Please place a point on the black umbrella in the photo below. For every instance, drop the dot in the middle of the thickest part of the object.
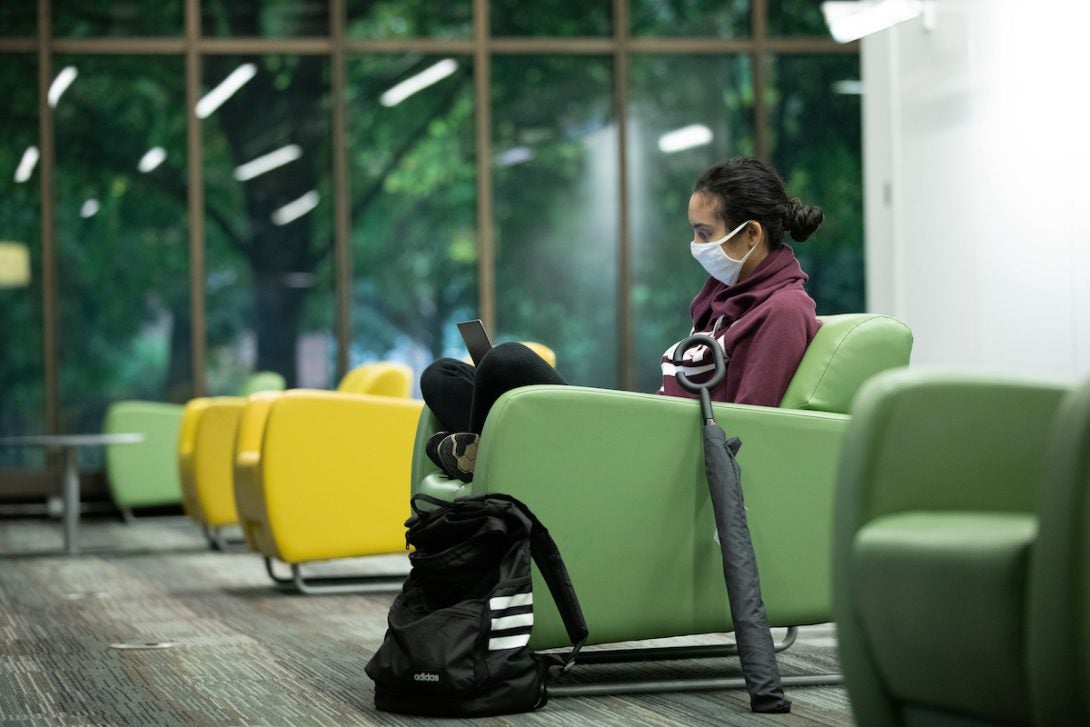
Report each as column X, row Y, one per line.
column 747, row 609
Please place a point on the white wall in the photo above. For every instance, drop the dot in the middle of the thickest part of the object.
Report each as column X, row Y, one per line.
column 977, row 176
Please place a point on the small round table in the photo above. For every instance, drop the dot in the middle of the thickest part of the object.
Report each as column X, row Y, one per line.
column 69, row 445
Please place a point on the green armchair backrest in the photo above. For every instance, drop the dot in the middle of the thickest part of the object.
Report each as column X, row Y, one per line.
column 144, row 474
column 263, row 381
column 847, row 350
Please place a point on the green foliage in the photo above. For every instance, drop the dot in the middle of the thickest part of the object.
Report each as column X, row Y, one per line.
column 716, row 18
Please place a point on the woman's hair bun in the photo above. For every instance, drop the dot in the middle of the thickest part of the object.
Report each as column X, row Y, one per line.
column 802, row 219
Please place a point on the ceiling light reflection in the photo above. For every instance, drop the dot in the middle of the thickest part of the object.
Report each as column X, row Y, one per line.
column 850, row 20
column 295, row 209
column 685, row 138
column 26, row 165
column 268, row 162
column 514, row 155
column 152, row 159
column 90, row 208
column 412, row 84
column 60, row 84
column 227, row 88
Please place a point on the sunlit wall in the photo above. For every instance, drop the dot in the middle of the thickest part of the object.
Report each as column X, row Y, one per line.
column 976, row 164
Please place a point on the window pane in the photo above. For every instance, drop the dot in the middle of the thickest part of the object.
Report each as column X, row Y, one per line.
column 21, row 372
column 414, row 205
column 410, row 19
column 817, row 150
column 122, row 293
column 94, row 18
column 551, row 17
column 555, row 183
column 265, row 18
column 707, row 18
column 706, row 128
column 18, row 19
column 269, row 216
column 796, row 17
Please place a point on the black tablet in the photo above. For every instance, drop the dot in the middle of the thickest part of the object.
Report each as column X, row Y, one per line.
column 476, row 339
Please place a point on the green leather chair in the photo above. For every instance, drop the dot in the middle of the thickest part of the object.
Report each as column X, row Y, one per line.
column 146, row 474
column 143, row 474
column 962, row 552
column 618, row 478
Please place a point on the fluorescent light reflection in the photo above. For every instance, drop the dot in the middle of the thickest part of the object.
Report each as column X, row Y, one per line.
column 514, row 155
column 295, row 209
column 60, row 84
column 412, row 84
column 848, row 87
column 152, row 159
column 685, row 138
column 225, row 90
column 26, row 165
column 267, row 162
column 90, row 208
column 851, row 20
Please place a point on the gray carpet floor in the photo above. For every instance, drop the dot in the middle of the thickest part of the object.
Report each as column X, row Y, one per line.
column 247, row 654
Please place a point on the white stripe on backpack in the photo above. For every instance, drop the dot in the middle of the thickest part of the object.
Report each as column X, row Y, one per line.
column 508, row 642
column 510, row 622
column 519, row 599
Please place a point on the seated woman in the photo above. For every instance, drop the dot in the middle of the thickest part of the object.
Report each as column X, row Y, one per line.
column 754, row 304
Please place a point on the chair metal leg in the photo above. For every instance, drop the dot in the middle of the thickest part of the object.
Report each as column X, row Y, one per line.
column 127, row 516
column 326, row 585
column 653, row 686
column 217, row 540
column 663, row 653
column 696, row 684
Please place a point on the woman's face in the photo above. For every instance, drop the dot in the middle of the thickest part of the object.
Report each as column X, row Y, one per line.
column 708, row 226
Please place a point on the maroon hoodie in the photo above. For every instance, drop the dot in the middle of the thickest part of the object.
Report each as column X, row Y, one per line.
column 765, row 324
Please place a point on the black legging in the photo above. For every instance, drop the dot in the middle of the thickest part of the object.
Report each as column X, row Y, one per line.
column 460, row 395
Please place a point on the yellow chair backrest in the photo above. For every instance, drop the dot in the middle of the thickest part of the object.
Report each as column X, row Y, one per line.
column 379, row 379
column 542, row 350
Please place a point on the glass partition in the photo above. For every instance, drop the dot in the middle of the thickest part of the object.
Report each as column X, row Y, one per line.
column 21, row 367
column 410, row 19
column 269, row 219
column 817, row 148
column 265, row 18
column 707, row 18
column 551, row 18
column 414, row 204
column 94, row 18
column 555, row 177
column 18, row 19
column 676, row 131
column 122, row 245
column 796, row 18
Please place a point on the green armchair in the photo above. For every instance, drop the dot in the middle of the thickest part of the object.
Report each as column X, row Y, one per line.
column 619, row 480
column 962, row 556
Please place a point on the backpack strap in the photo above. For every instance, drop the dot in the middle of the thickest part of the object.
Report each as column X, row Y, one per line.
column 547, row 556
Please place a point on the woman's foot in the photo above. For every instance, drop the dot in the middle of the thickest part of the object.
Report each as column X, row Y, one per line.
column 458, row 454
column 431, row 448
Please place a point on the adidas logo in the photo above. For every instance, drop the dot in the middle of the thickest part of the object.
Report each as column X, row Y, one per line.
column 425, row 676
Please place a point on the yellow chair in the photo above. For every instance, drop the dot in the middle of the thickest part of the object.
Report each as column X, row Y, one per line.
column 206, row 445
column 325, row 475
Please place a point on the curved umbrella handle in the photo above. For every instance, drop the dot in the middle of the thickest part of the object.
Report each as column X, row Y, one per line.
column 701, row 339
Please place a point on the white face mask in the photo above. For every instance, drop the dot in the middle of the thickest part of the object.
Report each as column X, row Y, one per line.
column 719, row 264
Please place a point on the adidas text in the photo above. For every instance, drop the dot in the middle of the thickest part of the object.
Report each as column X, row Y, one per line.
column 425, row 677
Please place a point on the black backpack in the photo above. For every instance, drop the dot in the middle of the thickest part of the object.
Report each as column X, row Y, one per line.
column 458, row 631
